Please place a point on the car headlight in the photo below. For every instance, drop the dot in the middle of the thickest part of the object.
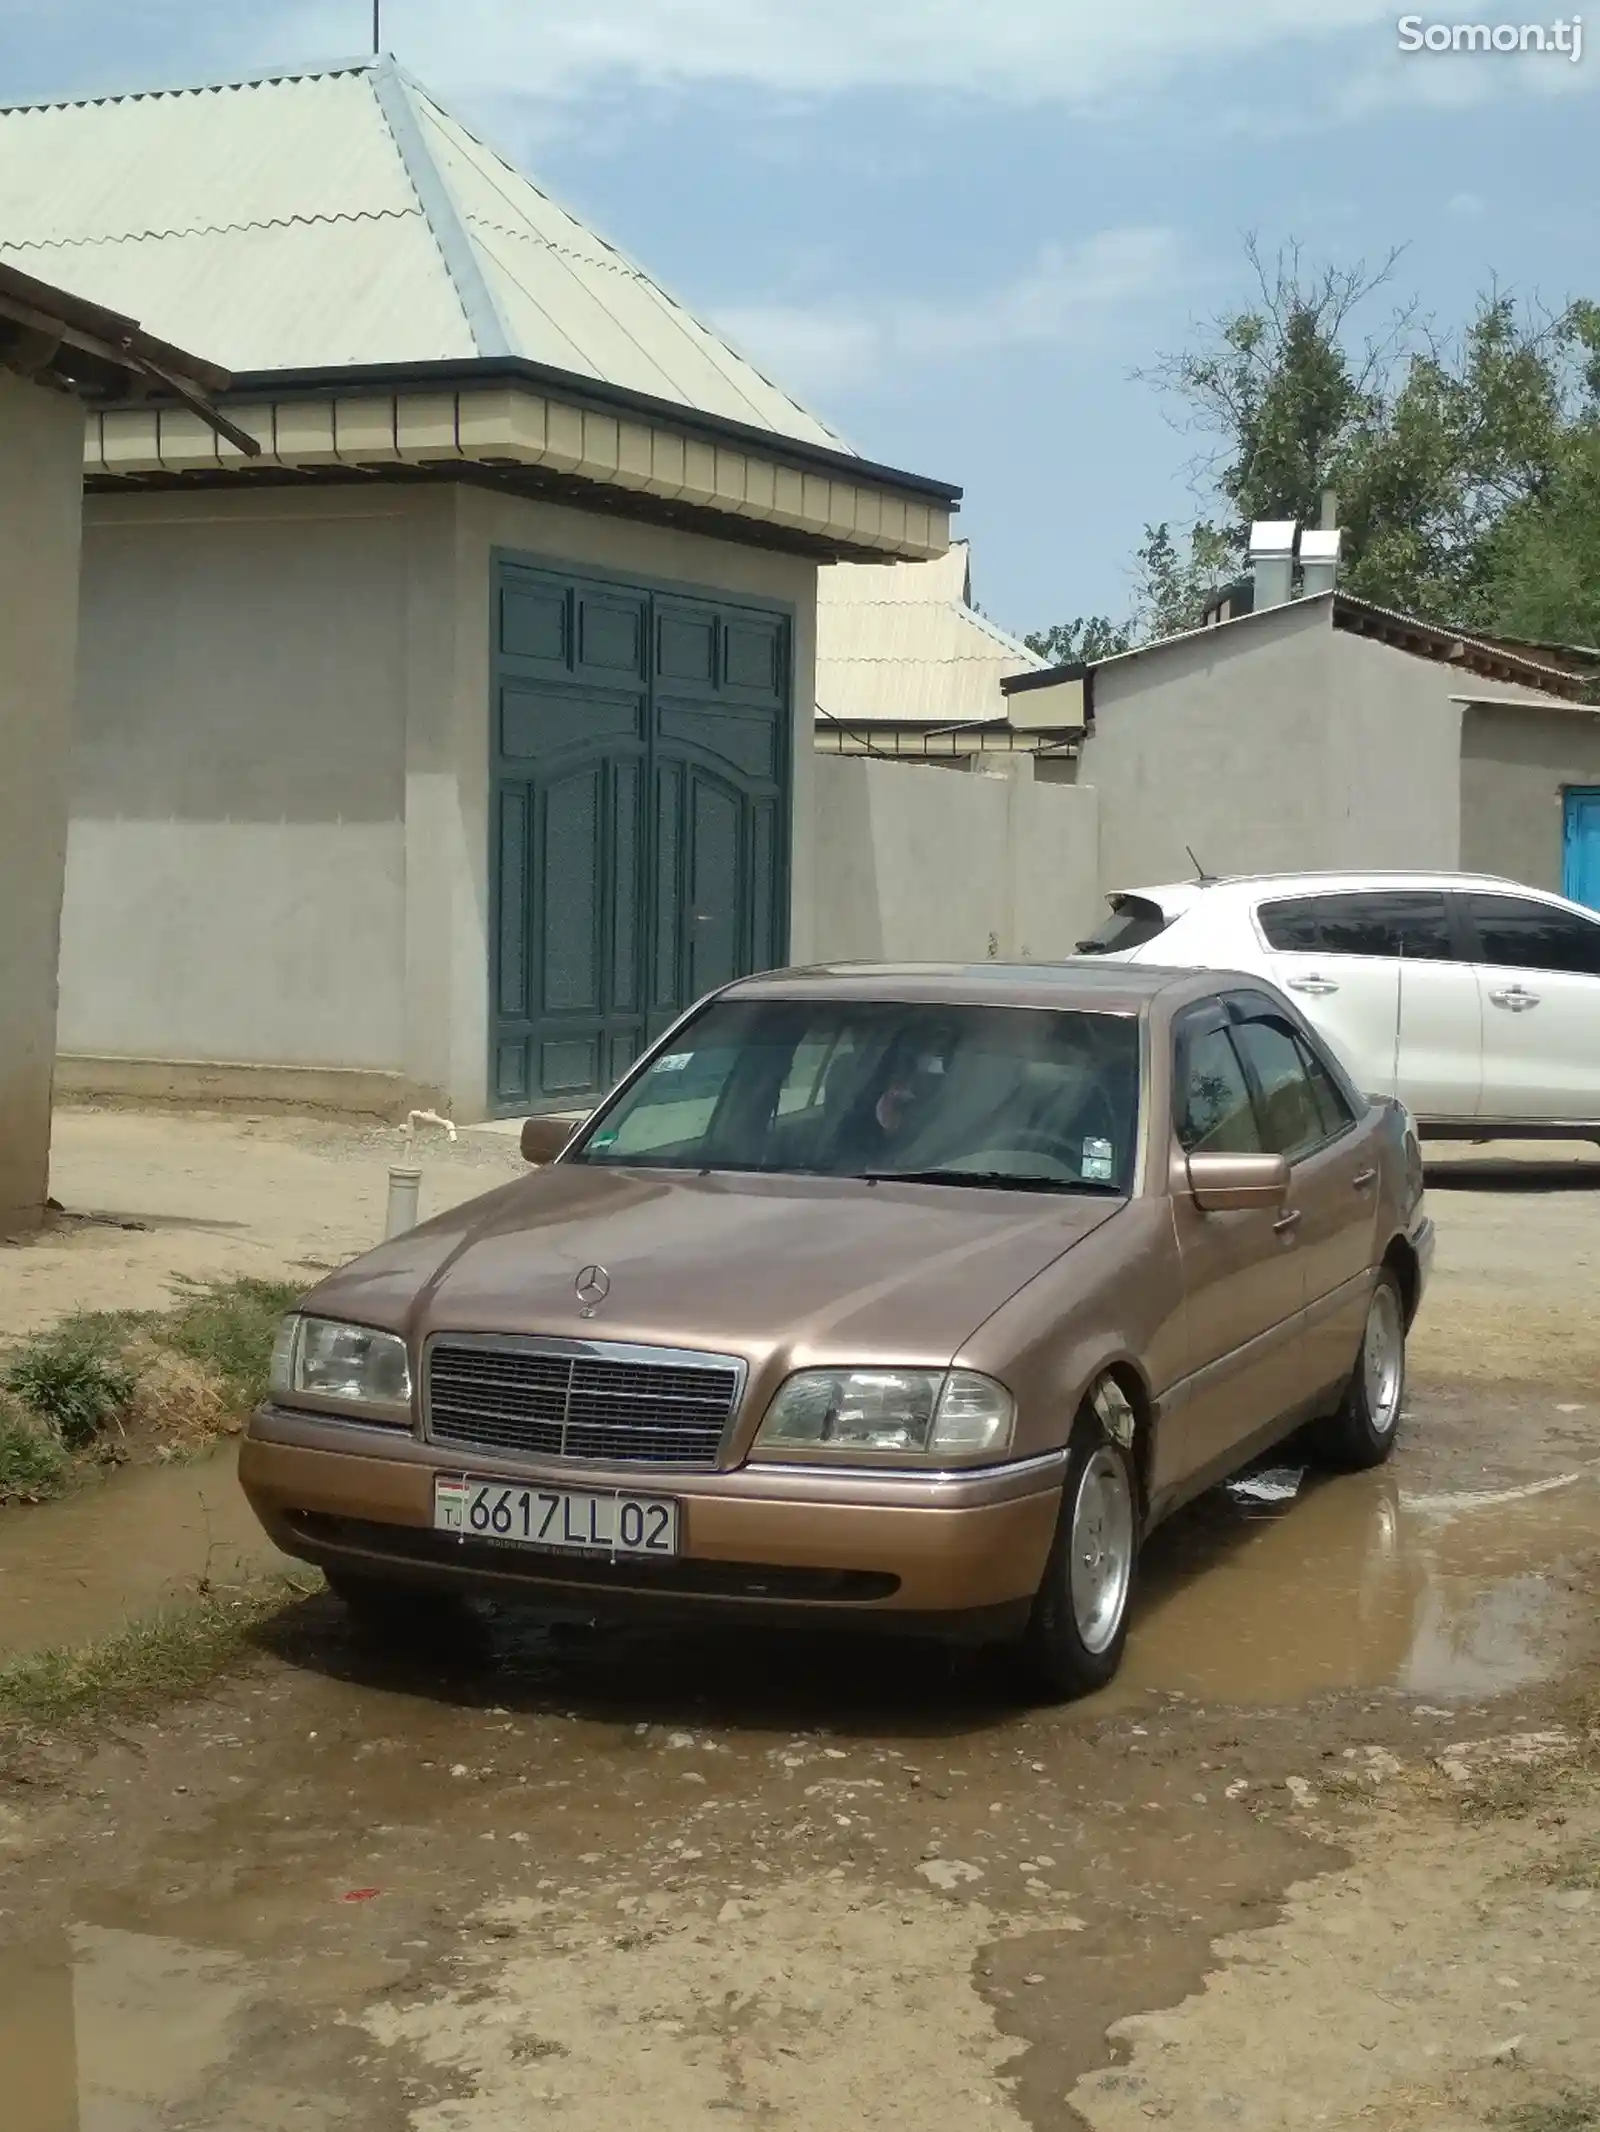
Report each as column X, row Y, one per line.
column 918, row 1413
column 322, row 1358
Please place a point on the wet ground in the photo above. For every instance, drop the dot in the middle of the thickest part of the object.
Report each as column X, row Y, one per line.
column 540, row 1876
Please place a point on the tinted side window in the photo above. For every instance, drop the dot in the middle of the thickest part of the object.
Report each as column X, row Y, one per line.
column 1413, row 923
column 1294, row 926
column 1516, row 934
column 1215, row 1113
column 1331, row 1100
column 1293, row 1120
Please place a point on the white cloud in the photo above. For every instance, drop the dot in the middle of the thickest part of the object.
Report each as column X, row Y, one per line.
column 1065, row 297
column 1034, row 51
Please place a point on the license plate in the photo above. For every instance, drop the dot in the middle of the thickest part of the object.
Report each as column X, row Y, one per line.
column 578, row 1521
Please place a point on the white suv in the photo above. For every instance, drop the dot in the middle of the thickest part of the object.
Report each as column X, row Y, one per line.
column 1474, row 1000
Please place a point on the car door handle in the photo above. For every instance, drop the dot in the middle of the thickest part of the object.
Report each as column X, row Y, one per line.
column 1286, row 1224
column 1516, row 998
column 1318, row 987
column 1363, row 1178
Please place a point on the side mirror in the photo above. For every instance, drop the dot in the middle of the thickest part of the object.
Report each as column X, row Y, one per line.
column 544, row 1138
column 1226, row 1184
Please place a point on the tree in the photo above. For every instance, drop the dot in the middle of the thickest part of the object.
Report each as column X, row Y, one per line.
column 1284, row 387
column 1081, row 641
column 1174, row 587
column 1466, row 464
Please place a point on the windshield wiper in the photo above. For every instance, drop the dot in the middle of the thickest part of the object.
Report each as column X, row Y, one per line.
column 992, row 1180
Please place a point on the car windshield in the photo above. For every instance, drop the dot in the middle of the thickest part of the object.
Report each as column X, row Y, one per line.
column 1015, row 1097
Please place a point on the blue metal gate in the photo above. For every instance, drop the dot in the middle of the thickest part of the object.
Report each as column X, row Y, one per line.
column 640, row 819
column 1581, row 876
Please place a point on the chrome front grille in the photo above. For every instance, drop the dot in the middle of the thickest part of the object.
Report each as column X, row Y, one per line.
column 588, row 1402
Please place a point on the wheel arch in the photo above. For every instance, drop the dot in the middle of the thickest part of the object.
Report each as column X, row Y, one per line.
column 1401, row 1260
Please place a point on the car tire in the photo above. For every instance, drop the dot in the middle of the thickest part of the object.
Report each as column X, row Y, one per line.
column 1075, row 1636
column 1362, row 1430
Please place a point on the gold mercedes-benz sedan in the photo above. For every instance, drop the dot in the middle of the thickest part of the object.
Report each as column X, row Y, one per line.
column 896, row 1296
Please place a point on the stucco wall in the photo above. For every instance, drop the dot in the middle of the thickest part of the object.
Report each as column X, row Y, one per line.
column 920, row 864
column 1515, row 766
column 236, row 872
column 41, row 485
column 279, row 852
column 1276, row 743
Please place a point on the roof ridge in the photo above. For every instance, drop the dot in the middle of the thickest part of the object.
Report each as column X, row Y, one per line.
column 717, row 338
column 314, row 70
column 393, row 91
column 208, row 229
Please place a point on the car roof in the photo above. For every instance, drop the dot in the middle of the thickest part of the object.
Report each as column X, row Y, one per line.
column 1088, row 984
column 1175, row 896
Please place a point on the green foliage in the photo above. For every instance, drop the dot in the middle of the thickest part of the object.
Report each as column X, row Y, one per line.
column 1466, row 466
column 1081, row 641
column 1175, row 586
column 74, row 1380
column 33, row 1463
column 228, row 1328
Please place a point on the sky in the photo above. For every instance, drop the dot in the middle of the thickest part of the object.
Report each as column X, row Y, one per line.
column 959, row 229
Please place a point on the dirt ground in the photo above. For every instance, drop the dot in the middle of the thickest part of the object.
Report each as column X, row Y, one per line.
column 590, row 1878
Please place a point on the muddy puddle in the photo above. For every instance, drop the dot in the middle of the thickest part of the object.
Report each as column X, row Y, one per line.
column 74, row 1571
column 1363, row 1583
column 1345, row 1584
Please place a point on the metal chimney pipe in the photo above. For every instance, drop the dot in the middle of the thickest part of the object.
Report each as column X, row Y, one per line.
column 1272, row 561
column 1319, row 561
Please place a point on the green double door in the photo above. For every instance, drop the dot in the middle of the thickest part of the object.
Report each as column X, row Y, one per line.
column 639, row 823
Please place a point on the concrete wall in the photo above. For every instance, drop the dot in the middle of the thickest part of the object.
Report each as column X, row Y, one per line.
column 1274, row 743
column 41, row 486
column 915, row 864
column 279, row 851
column 1515, row 766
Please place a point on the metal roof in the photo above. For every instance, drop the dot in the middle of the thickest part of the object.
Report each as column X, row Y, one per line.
column 340, row 216
column 901, row 641
column 1387, row 625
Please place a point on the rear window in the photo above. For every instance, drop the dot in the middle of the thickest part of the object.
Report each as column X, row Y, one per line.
column 1133, row 921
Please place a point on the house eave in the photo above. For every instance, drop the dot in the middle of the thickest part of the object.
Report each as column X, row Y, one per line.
column 505, row 417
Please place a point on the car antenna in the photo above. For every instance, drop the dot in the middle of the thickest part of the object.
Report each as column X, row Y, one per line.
column 1205, row 880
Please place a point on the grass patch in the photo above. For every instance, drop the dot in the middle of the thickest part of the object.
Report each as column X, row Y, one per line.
column 1573, row 2110
column 33, row 1460
column 153, row 1662
column 75, row 1382
column 227, row 1329
column 112, row 1385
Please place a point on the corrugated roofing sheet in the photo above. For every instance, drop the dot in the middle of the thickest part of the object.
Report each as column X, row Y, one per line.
column 899, row 641
column 287, row 223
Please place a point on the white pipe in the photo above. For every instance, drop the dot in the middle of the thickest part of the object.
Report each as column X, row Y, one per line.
column 405, row 1184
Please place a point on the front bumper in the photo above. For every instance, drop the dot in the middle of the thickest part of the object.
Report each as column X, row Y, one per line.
column 950, row 1550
